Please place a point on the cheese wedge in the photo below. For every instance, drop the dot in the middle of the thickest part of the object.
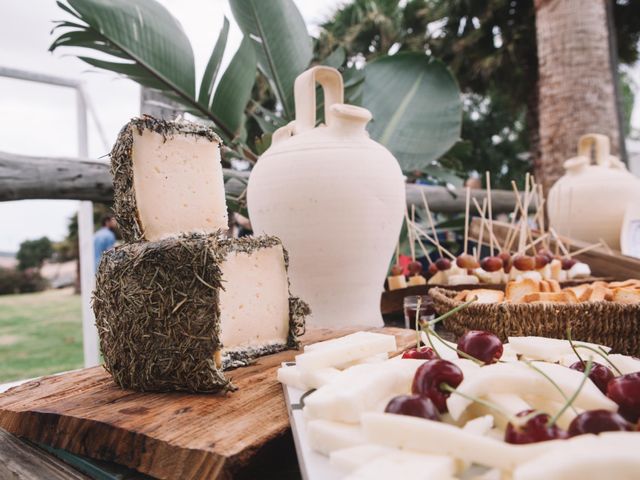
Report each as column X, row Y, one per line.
column 547, row 349
column 326, row 436
column 396, row 282
column 290, row 376
column 415, row 280
column 318, row 378
column 167, row 179
column 427, row 436
column 184, row 309
column 520, row 379
column 345, row 349
column 579, row 270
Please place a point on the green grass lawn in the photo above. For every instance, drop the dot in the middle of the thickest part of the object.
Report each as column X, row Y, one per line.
column 40, row 333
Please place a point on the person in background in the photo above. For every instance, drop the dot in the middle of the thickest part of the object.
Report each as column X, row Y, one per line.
column 104, row 238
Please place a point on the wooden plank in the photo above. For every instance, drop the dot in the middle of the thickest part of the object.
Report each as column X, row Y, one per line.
column 21, row 461
column 166, row 435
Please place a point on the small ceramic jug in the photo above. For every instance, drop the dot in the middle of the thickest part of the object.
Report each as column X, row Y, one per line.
column 589, row 202
column 336, row 199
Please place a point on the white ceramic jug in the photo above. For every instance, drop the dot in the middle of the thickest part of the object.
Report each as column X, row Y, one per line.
column 336, row 199
column 588, row 203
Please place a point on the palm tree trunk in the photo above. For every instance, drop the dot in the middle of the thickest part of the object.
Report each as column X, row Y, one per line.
column 576, row 88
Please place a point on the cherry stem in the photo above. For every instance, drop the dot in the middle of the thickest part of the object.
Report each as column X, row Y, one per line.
column 510, row 418
column 459, row 352
column 604, row 355
column 587, row 371
column 573, row 347
column 555, row 385
column 428, row 332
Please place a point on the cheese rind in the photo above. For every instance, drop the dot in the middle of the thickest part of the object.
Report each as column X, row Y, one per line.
column 173, row 314
column 167, row 179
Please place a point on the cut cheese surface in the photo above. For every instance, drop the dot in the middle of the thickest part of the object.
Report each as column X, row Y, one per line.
column 400, row 464
column 178, row 184
column 326, row 437
column 254, row 305
column 547, row 349
column 349, row 459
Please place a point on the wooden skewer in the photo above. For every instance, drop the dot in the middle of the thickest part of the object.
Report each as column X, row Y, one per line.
column 424, row 250
column 536, row 241
column 559, row 242
column 586, row 249
column 481, row 211
column 605, row 245
column 466, row 221
column 490, row 211
column 512, row 223
column 432, row 241
column 410, row 235
column 433, row 226
column 413, row 222
column 541, row 220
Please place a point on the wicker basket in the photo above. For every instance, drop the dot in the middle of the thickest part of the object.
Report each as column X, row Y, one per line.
column 607, row 323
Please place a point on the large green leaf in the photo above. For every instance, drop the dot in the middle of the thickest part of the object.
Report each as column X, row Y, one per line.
column 282, row 44
column 234, row 90
column 416, row 107
column 144, row 42
column 213, row 66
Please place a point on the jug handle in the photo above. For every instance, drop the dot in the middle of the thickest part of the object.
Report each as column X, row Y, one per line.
column 601, row 147
column 305, row 95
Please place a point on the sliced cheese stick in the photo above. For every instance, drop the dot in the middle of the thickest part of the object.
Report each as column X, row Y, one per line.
column 624, row 363
column 349, row 459
column 401, row 464
column 480, row 425
column 380, row 357
column 443, row 347
column 522, row 380
column 290, row 376
column 597, row 463
column 326, row 436
column 318, row 378
column 547, row 349
column 360, row 389
column 346, row 349
column 439, row 438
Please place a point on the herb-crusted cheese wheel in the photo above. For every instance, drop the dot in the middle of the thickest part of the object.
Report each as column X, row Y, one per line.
column 167, row 179
column 174, row 314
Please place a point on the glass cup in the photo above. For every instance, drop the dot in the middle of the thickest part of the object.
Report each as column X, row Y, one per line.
column 410, row 305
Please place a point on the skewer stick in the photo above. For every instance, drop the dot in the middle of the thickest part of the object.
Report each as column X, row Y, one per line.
column 412, row 246
column 536, row 241
column 424, row 250
column 512, row 223
column 606, row 246
column 413, row 222
column 432, row 241
column 559, row 242
column 433, row 227
column 466, row 220
column 490, row 212
column 481, row 211
column 586, row 249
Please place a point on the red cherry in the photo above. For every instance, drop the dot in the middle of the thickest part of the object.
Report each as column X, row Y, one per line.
column 625, row 391
column 467, row 261
column 415, row 268
column 433, row 269
column 599, row 375
column 597, row 421
column 491, row 264
column 396, row 270
column 484, row 346
column 414, row 406
column 429, row 378
column 547, row 253
column 443, row 264
column 567, row 263
column 541, row 261
column 422, row 353
column 524, row 263
column 536, row 429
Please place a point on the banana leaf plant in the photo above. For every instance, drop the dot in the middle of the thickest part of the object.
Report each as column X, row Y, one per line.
column 414, row 99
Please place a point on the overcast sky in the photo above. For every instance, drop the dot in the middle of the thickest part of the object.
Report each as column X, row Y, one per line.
column 40, row 120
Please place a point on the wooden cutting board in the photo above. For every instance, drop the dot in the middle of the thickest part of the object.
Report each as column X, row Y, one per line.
column 166, row 435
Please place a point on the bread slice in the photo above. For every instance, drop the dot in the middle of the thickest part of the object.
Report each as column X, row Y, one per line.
column 598, row 292
column 578, row 290
column 548, row 297
column 461, row 296
column 555, row 285
column 516, row 291
column 632, row 282
column 544, row 286
column 586, row 294
column 626, row 295
column 571, row 296
column 485, row 295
